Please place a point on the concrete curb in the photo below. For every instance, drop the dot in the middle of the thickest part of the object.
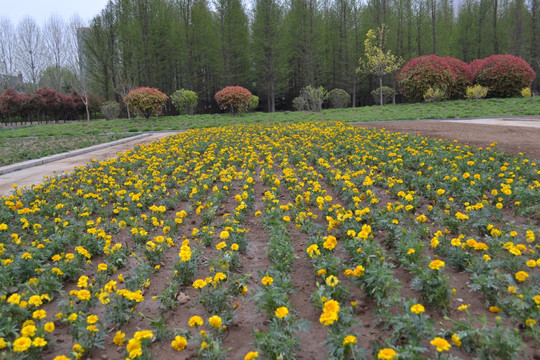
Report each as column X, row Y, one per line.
column 44, row 160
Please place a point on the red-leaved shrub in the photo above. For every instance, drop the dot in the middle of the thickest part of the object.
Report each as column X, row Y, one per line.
column 146, row 101
column 462, row 78
column 422, row 73
column 475, row 65
column 504, row 75
column 234, row 99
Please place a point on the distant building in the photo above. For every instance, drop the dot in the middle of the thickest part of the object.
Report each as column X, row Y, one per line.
column 11, row 82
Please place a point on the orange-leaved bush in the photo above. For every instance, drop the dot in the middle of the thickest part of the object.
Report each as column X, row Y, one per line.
column 504, row 75
column 234, row 99
column 146, row 101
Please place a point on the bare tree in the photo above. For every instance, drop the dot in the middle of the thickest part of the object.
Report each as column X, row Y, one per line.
column 29, row 50
column 7, row 47
column 54, row 40
column 123, row 85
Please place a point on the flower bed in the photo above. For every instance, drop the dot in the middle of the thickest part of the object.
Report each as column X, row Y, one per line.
column 231, row 242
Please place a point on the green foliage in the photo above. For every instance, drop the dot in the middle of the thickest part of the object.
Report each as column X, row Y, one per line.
column 110, row 109
column 338, row 98
column 377, row 61
column 434, row 95
column 185, row 101
column 146, row 101
column 476, row 92
column 387, row 94
column 310, row 99
column 526, row 92
column 253, row 103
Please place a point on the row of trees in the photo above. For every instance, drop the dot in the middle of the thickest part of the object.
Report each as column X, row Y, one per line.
column 276, row 48
column 44, row 105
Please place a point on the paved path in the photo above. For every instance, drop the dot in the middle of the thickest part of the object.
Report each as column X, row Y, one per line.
column 535, row 123
column 34, row 174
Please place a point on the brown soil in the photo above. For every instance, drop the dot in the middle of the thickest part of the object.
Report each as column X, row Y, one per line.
column 511, row 139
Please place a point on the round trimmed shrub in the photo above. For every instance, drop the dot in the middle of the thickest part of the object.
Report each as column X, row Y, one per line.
column 463, row 78
column 146, row 101
column 338, row 98
column 234, row 99
column 253, row 103
column 110, row 109
column 387, row 93
column 475, row 66
column 185, row 101
column 422, row 73
column 504, row 75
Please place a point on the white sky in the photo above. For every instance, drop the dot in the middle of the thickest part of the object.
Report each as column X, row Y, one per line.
column 41, row 10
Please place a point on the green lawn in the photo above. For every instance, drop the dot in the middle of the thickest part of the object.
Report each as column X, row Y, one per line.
column 56, row 138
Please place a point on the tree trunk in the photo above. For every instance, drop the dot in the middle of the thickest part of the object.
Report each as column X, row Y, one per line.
column 354, row 91
column 380, row 91
column 495, row 39
column 433, row 22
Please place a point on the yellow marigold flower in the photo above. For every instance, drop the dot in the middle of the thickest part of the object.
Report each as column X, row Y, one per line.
column 286, row 218
column 199, row 284
column 436, row 264
column 134, row 348
column 61, row 357
column 332, row 281
column 521, row 276
column 349, row 340
column 358, row 271
column 531, row 263
column 14, row 299
column 22, row 344
column 39, row 342
column 495, row 309
column 221, row 245
column 530, row 322
column 387, row 354
column 267, row 280
column 39, row 314
column 418, row 308
column 28, row 330
column 179, row 343
column 441, row 192
column 143, row 334
column 330, row 243
column 102, row 267
column 313, row 251
column 251, row 355
column 92, row 319
column 281, row 312
column 215, row 321
column 463, row 307
column 456, row 340
column 234, row 247
column 224, row 235
column 322, row 272
column 119, row 338
column 220, row 276
column 411, row 251
column 440, row 344
column 83, row 295
column 195, row 321
column 421, row 218
column 3, row 343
